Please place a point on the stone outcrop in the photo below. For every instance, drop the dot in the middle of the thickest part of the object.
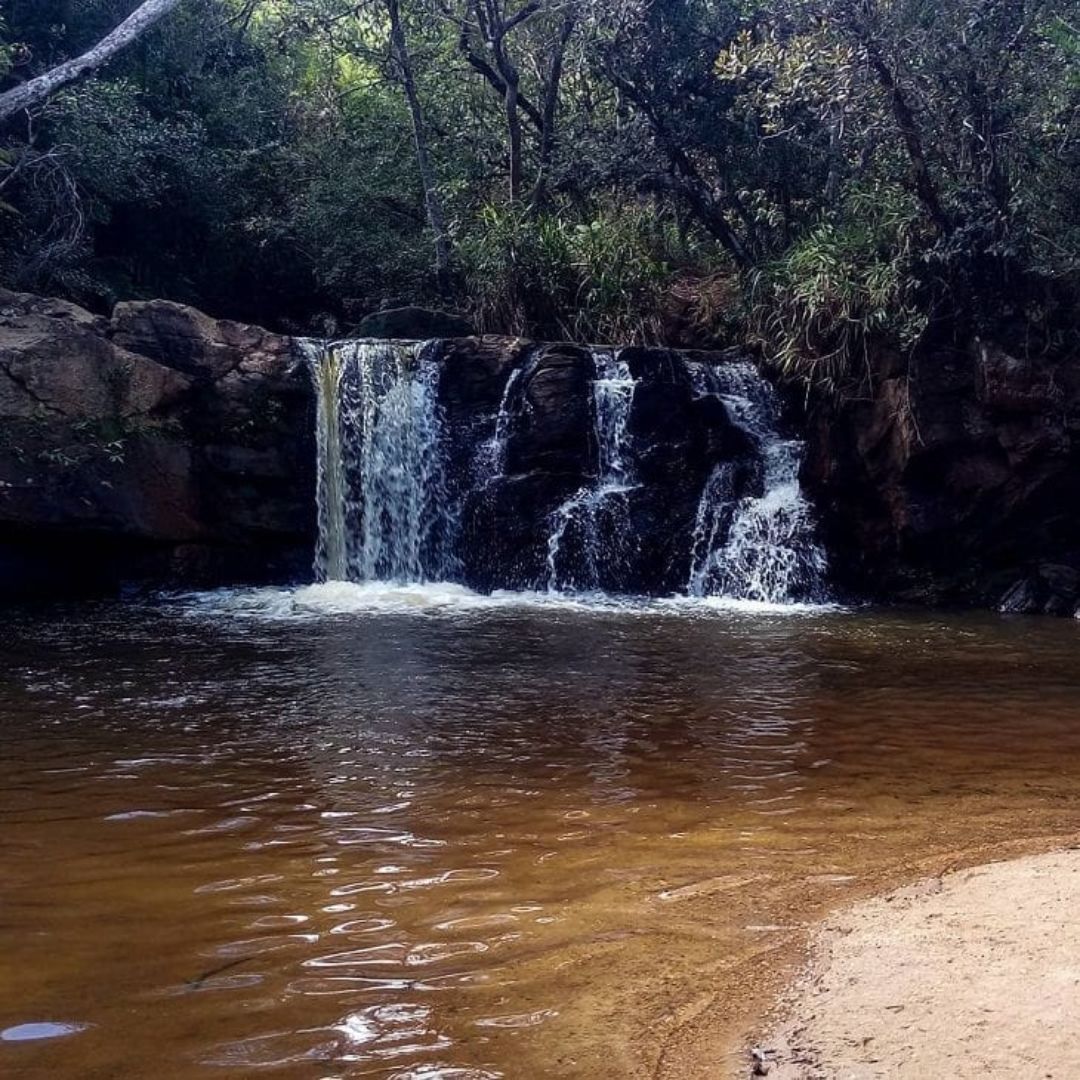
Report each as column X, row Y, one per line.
column 164, row 447
column 159, row 445
column 955, row 479
column 676, row 437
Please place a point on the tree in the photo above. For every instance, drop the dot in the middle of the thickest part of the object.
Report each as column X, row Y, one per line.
column 433, row 204
column 486, row 29
column 494, row 21
column 601, row 169
column 37, row 90
column 654, row 57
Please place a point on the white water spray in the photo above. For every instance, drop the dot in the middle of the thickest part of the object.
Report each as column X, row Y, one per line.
column 331, row 552
column 763, row 547
column 598, row 514
column 383, row 514
column 490, row 460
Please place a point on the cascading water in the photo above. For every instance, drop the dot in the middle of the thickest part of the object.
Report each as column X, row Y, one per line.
column 597, row 516
column 490, row 464
column 499, row 441
column 406, row 496
column 331, row 553
column 383, row 514
column 763, row 546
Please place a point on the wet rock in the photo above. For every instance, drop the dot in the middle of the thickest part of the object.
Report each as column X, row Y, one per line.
column 675, row 438
column 1049, row 590
column 944, row 482
column 186, row 340
column 554, row 431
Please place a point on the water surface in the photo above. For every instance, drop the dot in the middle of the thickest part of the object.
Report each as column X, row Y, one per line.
column 417, row 834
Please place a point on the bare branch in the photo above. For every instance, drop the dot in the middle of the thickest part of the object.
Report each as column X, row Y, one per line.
column 37, row 90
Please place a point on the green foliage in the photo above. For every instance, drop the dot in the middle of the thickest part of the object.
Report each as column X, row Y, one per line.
column 855, row 168
column 848, row 282
column 547, row 274
column 124, row 153
column 8, row 51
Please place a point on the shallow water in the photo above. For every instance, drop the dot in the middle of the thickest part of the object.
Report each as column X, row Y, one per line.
column 414, row 833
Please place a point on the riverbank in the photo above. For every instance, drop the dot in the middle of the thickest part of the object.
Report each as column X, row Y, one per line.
column 975, row 972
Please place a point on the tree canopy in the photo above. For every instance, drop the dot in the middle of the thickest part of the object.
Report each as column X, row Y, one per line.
column 816, row 173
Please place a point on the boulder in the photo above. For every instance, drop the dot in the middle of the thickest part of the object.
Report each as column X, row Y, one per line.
column 1050, row 589
column 158, row 446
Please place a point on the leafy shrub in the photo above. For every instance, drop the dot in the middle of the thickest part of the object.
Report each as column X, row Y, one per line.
column 551, row 276
column 851, row 279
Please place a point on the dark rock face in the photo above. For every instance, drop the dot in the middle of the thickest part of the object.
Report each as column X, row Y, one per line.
column 547, row 453
column 413, row 324
column 161, row 446
column 955, row 480
column 675, row 437
column 158, row 446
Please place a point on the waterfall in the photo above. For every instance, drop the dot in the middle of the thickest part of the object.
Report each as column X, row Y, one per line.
column 413, row 489
column 383, row 511
column 596, row 518
column 761, row 546
column 490, row 462
column 331, row 560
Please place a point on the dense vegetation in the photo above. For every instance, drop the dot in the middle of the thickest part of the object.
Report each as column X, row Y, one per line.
column 820, row 172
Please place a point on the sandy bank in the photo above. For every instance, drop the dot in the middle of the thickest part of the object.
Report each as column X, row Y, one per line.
column 973, row 974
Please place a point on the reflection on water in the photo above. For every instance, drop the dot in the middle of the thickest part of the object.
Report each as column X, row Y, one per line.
column 463, row 839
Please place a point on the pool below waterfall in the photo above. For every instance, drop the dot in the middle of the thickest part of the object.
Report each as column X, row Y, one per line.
column 418, row 832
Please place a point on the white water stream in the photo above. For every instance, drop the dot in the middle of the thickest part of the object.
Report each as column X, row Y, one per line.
column 386, row 516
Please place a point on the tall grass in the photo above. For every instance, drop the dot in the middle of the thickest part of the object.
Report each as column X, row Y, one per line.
column 555, row 275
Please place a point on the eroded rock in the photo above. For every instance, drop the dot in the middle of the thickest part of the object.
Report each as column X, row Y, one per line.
column 947, row 481
column 160, row 446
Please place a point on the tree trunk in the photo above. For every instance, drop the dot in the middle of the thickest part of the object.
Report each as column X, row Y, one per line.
column 37, row 90
column 925, row 187
column 495, row 81
column 493, row 23
column 551, row 110
column 436, row 218
column 513, row 134
column 687, row 179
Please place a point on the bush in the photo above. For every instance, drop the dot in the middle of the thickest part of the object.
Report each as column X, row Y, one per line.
column 849, row 280
column 548, row 275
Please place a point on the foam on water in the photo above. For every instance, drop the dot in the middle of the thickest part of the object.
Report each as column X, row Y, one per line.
column 342, row 598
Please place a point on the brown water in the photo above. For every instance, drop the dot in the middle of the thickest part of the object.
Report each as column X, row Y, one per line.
column 462, row 843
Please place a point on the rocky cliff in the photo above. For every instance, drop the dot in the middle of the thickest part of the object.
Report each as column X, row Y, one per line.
column 541, row 517
column 158, row 445
column 954, row 478
column 161, row 446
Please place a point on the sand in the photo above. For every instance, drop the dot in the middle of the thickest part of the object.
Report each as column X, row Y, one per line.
column 976, row 974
